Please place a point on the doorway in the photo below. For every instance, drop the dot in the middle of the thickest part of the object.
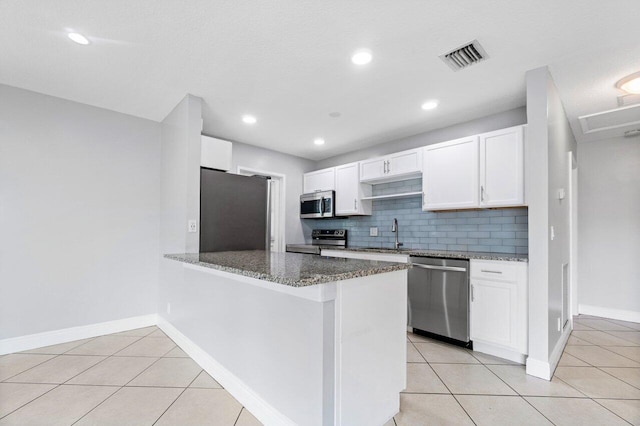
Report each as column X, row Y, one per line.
column 276, row 206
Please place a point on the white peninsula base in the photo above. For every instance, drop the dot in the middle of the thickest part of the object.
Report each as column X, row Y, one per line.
column 326, row 354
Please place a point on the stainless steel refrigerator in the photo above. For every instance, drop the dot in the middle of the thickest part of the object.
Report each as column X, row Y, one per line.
column 234, row 212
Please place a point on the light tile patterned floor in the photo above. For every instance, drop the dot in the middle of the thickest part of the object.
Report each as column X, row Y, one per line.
column 141, row 377
column 596, row 383
column 138, row 377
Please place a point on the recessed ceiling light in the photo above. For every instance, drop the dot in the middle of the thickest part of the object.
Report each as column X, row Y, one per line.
column 318, row 141
column 361, row 57
column 249, row 119
column 430, row 105
column 78, row 38
column 630, row 84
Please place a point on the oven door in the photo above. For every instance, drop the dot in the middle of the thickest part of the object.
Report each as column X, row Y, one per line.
column 317, row 205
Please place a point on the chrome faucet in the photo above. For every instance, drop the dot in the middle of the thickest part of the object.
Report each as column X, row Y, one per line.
column 394, row 228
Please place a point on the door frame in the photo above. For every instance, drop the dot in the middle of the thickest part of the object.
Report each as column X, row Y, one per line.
column 279, row 217
column 573, row 234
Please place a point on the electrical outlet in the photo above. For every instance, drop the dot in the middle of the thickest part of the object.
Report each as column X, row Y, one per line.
column 169, row 308
column 373, row 231
column 193, row 226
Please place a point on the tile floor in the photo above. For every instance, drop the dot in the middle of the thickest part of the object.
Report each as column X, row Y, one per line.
column 141, row 377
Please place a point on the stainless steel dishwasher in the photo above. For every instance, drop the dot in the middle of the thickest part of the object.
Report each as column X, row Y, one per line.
column 439, row 298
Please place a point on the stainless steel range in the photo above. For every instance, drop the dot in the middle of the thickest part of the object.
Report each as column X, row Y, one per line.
column 321, row 238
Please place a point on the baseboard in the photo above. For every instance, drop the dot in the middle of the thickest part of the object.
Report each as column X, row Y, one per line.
column 489, row 349
column 545, row 369
column 48, row 338
column 617, row 314
column 261, row 409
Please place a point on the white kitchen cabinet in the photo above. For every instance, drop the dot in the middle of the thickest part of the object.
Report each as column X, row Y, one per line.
column 349, row 191
column 215, row 153
column 450, row 175
column 394, row 167
column 319, row 180
column 502, row 168
column 499, row 308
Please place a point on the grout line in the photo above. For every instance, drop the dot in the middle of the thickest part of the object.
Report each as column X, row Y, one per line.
column 97, row 363
column 178, row 397
column 612, row 412
column 29, row 402
column 451, row 393
column 238, row 418
column 31, row 368
column 464, row 409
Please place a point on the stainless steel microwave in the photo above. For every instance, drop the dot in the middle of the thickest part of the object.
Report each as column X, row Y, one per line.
column 317, row 205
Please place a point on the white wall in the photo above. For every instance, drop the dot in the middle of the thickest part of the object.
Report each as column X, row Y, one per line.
column 180, row 176
column 293, row 168
column 549, row 139
column 497, row 121
column 609, row 227
column 79, row 214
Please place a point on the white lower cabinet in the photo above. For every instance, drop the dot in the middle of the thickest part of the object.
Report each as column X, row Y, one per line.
column 499, row 308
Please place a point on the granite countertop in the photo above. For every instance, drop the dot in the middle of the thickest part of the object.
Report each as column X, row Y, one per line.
column 446, row 254
column 292, row 269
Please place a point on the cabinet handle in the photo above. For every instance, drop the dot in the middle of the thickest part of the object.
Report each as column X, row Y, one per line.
column 355, row 204
column 481, row 193
column 472, row 296
column 490, row 272
column 389, row 166
column 385, row 166
column 423, row 198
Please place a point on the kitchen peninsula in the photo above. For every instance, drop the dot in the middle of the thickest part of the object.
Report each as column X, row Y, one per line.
column 302, row 339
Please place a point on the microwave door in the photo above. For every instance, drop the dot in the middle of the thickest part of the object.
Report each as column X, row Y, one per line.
column 309, row 208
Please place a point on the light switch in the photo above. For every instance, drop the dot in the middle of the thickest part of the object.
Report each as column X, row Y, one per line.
column 193, row 226
column 373, row 231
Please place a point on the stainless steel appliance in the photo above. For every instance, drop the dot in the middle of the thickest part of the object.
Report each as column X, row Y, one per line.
column 321, row 238
column 317, row 205
column 439, row 298
column 234, row 212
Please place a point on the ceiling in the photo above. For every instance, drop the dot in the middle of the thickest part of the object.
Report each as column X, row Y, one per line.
column 288, row 61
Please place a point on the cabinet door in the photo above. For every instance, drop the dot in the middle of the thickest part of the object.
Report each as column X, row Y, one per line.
column 215, row 153
column 450, row 175
column 502, row 168
column 493, row 312
column 320, row 180
column 406, row 162
column 373, row 169
column 349, row 191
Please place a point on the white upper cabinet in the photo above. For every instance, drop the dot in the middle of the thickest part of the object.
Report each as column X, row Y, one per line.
column 371, row 170
column 215, row 153
column 320, row 180
column 394, row 167
column 450, row 175
column 502, row 168
column 349, row 191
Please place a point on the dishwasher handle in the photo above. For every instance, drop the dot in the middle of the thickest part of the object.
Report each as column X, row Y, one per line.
column 440, row 268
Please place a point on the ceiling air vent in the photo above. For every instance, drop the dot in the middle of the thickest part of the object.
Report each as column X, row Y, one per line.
column 465, row 56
